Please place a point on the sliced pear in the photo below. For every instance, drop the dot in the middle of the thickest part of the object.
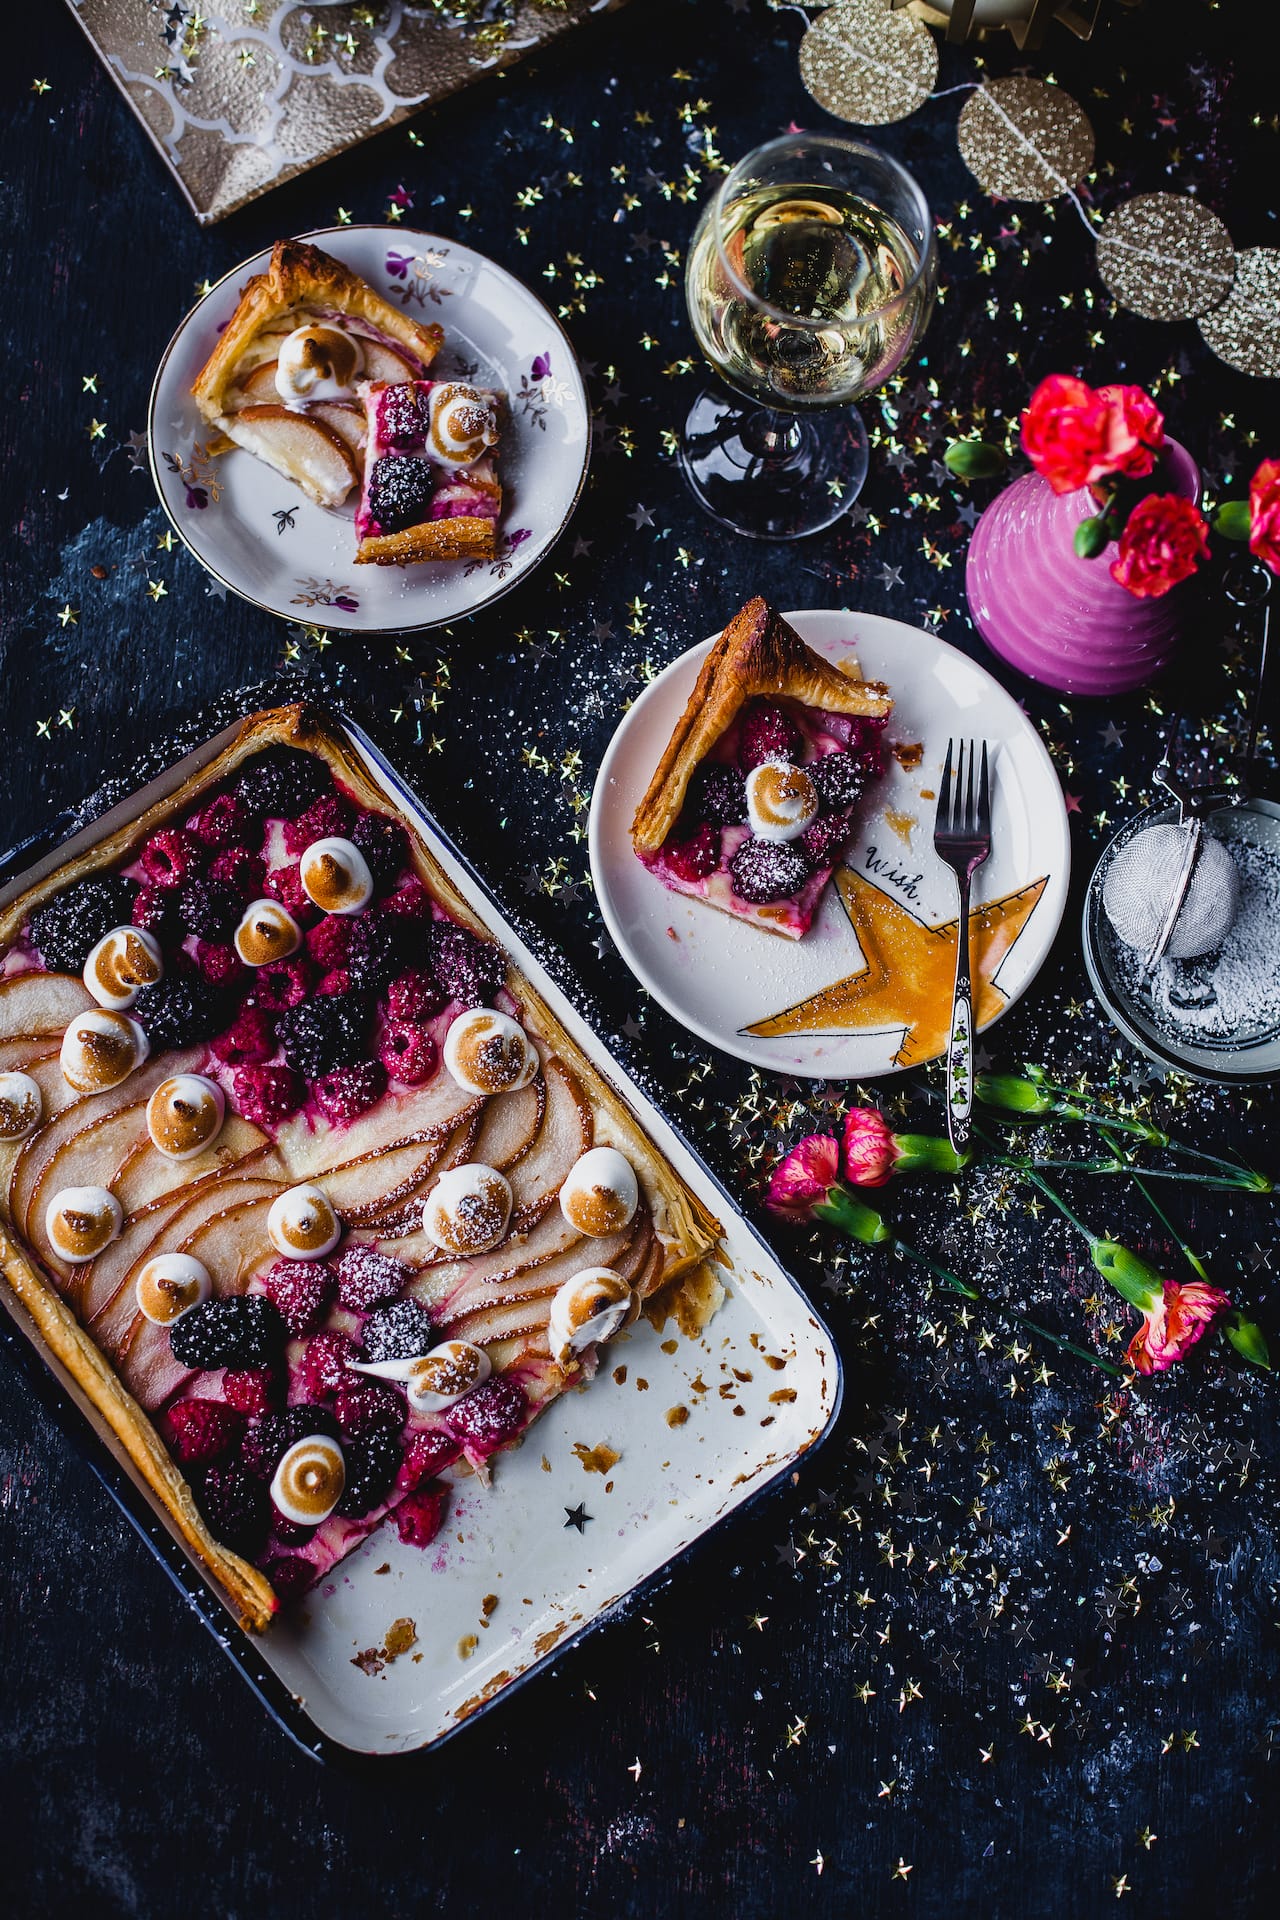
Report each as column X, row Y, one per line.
column 625, row 1252
column 259, row 386
column 566, row 1133
column 41, row 1002
column 512, row 1123
column 405, row 1216
column 347, row 419
column 302, row 448
column 145, row 1174
column 20, row 1049
column 310, row 1152
column 384, row 362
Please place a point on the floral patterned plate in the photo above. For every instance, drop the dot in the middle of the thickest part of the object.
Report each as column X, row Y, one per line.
column 258, row 534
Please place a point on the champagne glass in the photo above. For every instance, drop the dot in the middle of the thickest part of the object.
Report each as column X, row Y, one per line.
column 811, row 275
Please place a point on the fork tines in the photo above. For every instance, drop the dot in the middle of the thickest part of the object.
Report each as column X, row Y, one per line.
column 964, row 813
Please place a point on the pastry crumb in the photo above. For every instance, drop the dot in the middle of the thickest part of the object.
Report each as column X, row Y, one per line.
column 596, row 1459
column 384, row 1568
column 619, row 1376
column 783, row 1396
column 467, row 1645
column 401, row 1635
column 676, row 1416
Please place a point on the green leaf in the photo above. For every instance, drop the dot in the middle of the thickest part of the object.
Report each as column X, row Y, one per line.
column 974, row 459
column 1133, row 1279
column 1232, row 520
column 1248, row 1339
column 1090, row 537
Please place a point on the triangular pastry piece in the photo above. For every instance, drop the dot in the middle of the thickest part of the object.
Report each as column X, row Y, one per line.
column 752, row 802
column 285, row 376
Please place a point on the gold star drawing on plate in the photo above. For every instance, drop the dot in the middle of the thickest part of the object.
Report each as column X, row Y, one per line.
column 910, row 969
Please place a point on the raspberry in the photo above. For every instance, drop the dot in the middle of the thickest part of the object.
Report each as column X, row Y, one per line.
column 840, row 781
column 251, row 1390
column 367, row 1406
column 290, row 1575
column 347, row 1092
column 222, row 822
column 281, row 783
column 236, row 1507
column 179, row 1009
column 372, row 1464
column 767, row 734
column 427, row 1450
column 413, row 996
column 285, row 885
column 301, row 1290
column 410, row 901
column 323, row 1367
column 420, row 1516
column 241, row 872
column 322, row 1035
column 367, row 1278
column 206, row 909
column 334, row 985
column 157, row 912
column 825, row 839
column 285, row 983
column 492, row 1414
column 289, row 1533
column 373, row 956
column 269, row 1438
column 68, row 926
column 400, row 490
column 266, row 1095
column 694, row 859
column 243, row 1330
column 250, row 1041
column 762, row 872
column 408, row 1053
column 384, row 844
column 404, row 416
column 329, row 941
column 171, row 858
column 197, row 1431
column 327, row 818
column 469, row 969
column 401, row 1331
column 718, row 795
column 219, row 964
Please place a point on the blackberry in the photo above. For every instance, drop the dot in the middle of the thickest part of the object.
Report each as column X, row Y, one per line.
column 372, row 1462
column 236, row 1507
column 68, row 926
column 718, row 795
column 840, row 780
column 291, row 1574
column 319, row 1035
column 243, row 1330
column 374, row 956
column 469, row 969
column 363, row 1407
column 762, row 872
column 401, row 1331
column 269, row 1438
column 281, row 783
column 384, row 844
column 179, row 1009
column 208, row 909
column 399, row 491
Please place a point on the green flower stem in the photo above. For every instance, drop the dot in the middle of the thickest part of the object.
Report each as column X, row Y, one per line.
column 955, row 1284
column 1060, row 1103
column 862, row 1222
column 1118, row 1165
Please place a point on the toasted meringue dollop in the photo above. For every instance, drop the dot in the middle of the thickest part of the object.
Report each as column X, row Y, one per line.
column 318, row 363
column 123, row 960
column 185, row 1115
column 781, row 801
column 600, row 1194
column 588, row 1309
column 445, row 1374
column 467, row 1210
column 336, row 876
column 489, row 1053
column 309, row 1481
column 464, row 424
column 169, row 1285
column 302, row 1223
column 267, row 932
column 100, row 1049
column 21, row 1105
column 81, row 1221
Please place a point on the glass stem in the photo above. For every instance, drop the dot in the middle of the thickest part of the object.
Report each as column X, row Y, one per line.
column 771, row 436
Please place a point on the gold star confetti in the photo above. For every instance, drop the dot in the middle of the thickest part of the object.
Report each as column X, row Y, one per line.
column 157, row 589
column 41, row 86
column 68, row 616
column 902, row 1869
column 96, row 429
column 88, row 383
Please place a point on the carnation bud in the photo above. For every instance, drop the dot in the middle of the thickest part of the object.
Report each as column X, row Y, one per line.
column 974, row 459
column 1016, row 1096
column 1233, row 520
column 1090, row 537
column 1131, row 1276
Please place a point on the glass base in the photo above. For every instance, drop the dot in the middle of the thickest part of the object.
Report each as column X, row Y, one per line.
column 772, row 476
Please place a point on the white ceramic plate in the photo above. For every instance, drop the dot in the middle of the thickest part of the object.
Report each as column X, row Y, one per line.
column 718, row 975
column 257, row 533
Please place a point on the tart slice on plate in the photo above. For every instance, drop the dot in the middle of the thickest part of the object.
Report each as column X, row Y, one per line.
column 431, row 487
column 284, row 378
column 752, row 803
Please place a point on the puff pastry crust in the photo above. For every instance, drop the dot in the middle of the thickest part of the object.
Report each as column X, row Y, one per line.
column 757, row 655
column 688, row 1233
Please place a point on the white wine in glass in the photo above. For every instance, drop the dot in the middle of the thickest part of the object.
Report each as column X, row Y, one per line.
column 810, row 278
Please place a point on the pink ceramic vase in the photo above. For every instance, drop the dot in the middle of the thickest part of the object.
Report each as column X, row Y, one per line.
column 1061, row 619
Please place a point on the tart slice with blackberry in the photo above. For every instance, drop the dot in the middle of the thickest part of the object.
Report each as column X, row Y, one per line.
column 752, row 802
column 431, row 489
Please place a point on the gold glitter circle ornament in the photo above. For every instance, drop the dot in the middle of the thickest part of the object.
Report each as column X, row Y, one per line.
column 1022, row 139
column 866, row 63
column 1165, row 257
column 1245, row 330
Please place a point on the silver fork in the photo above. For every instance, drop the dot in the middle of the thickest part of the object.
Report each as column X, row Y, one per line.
column 962, row 838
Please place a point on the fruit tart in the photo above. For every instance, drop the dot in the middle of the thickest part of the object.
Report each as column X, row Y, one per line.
column 300, row 1179
column 752, row 803
column 431, row 487
column 284, row 379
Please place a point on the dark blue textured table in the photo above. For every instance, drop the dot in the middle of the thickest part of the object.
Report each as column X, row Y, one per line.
column 1007, row 1647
